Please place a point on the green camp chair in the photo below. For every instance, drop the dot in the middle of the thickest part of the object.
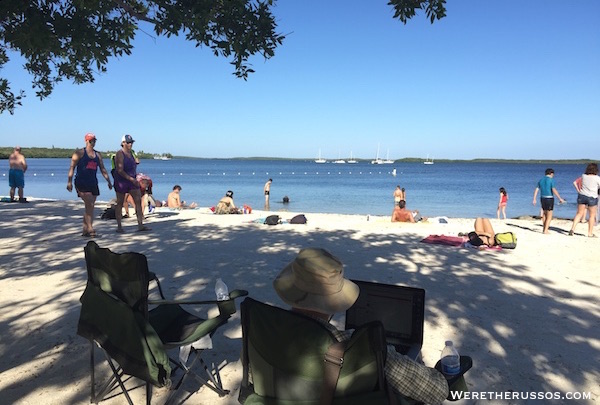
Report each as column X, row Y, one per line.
column 287, row 360
column 115, row 316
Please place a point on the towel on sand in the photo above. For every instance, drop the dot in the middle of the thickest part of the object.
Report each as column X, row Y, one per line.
column 444, row 240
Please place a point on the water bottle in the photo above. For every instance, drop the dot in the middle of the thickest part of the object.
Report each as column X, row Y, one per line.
column 221, row 290
column 450, row 360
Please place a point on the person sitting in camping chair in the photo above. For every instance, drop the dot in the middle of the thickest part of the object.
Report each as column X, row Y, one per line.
column 314, row 285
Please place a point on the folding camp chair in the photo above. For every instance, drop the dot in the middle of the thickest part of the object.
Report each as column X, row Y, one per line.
column 288, row 358
column 115, row 317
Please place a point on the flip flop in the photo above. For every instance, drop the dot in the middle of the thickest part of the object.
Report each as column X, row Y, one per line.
column 570, row 233
column 144, row 229
column 86, row 235
column 120, row 231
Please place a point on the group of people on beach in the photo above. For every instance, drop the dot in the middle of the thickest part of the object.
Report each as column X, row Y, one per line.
column 85, row 163
column 131, row 187
column 135, row 189
column 588, row 190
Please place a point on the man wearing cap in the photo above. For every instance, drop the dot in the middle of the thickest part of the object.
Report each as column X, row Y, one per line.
column 87, row 160
column 16, row 173
column 125, row 178
column 314, row 285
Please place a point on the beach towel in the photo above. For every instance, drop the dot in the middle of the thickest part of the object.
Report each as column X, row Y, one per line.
column 456, row 241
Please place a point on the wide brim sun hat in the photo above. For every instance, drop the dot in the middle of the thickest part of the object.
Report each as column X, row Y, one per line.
column 315, row 281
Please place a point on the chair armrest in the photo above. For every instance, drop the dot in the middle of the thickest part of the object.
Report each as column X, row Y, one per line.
column 233, row 295
column 237, row 293
column 180, row 302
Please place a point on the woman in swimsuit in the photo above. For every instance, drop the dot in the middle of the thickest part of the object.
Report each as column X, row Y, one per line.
column 483, row 229
column 502, row 203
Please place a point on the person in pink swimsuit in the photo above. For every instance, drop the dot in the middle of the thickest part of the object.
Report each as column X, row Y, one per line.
column 502, row 203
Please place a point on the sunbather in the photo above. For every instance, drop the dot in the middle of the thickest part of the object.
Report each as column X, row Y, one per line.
column 485, row 232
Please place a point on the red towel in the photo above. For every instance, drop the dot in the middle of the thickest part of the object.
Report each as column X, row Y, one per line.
column 444, row 240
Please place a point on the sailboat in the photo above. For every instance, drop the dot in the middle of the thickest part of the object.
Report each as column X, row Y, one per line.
column 377, row 160
column 339, row 160
column 387, row 160
column 428, row 162
column 320, row 159
column 352, row 160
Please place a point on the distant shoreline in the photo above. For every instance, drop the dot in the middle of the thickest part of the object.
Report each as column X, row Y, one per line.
column 62, row 153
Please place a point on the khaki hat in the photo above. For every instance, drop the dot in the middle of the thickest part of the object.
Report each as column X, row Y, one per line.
column 315, row 281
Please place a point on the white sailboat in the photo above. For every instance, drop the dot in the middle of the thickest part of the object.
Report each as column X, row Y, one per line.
column 428, row 162
column 387, row 160
column 352, row 160
column 339, row 160
column 320, row 159
column 377, row 160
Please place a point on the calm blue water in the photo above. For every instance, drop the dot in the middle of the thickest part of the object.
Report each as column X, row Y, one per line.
column 443, row 189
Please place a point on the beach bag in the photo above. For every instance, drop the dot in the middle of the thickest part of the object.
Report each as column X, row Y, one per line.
column 272, row 220
column 298, row 219
column 109, row 213
column 506, row 240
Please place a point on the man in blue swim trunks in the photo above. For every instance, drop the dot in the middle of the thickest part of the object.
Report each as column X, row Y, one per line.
column 547, row 192
column 16, row 173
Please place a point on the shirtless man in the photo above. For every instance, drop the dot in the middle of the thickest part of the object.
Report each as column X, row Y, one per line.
column 398, row 195
column 174, row 199
column 16, row 173
column 267, row 190
column 401, row 214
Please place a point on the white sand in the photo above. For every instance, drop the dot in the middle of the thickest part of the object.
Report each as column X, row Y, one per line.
column 528, row 317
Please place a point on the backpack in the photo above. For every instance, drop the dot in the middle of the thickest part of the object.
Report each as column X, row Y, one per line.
column 298, row 219
column 507, row 240
column 109, row 213
column 272, row 220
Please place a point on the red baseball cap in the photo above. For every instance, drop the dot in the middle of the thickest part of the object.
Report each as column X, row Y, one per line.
column 89, row 136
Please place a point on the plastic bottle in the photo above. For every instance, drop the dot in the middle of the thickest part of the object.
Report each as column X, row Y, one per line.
column 450, row 359
column 221, row 290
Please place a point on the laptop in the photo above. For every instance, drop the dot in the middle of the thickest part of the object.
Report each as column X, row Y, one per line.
column 400, row 309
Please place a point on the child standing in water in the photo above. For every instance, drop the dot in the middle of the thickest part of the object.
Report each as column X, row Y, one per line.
column 502, row 203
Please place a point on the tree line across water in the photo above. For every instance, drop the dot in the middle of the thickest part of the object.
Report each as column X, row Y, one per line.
column 34, row 152
column 53, row 152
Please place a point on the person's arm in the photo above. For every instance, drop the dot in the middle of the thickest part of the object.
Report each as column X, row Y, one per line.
column 103, row 171
column 24, row 165
column 74, row 159
column 555, row 192
column 535, row 195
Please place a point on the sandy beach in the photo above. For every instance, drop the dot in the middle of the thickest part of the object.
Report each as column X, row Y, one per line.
column 528, row 317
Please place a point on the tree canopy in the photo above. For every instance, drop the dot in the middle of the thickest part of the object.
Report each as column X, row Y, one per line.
column 74, row 39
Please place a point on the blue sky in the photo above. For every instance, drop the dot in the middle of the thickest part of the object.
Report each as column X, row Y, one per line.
column 494, row 79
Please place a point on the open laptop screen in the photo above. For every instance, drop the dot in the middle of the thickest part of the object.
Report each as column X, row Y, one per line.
column 400, row 309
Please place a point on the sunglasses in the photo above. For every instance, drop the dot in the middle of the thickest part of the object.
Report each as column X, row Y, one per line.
column 129, row 143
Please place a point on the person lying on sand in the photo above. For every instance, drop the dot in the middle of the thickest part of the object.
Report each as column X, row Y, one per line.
column 484, row 233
